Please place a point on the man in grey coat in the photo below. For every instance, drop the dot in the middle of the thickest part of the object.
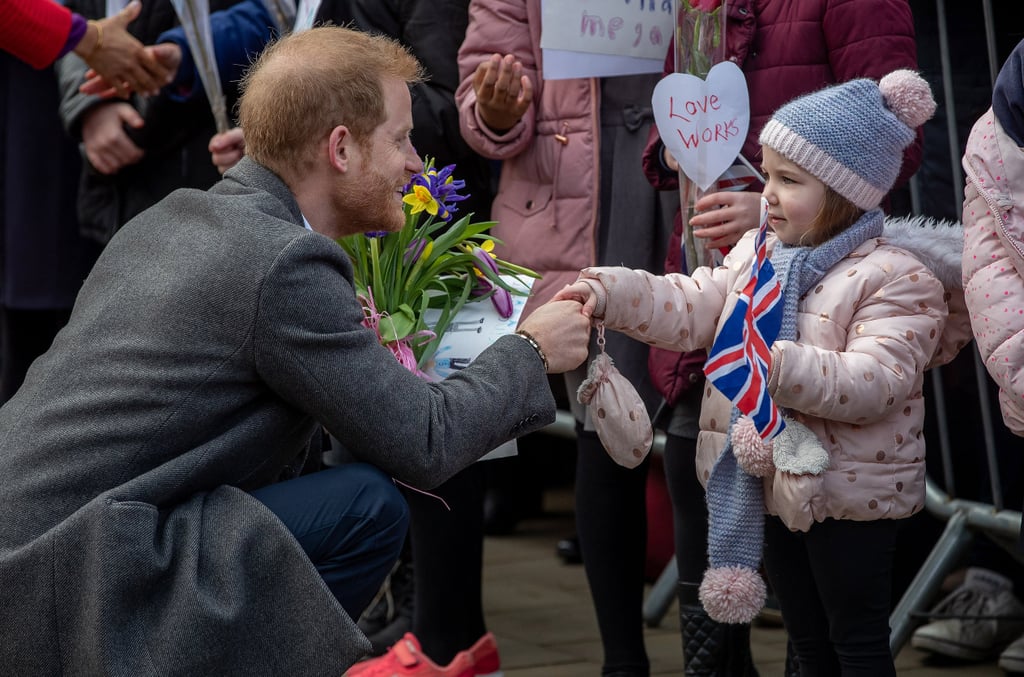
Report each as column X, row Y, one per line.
column 145, row 526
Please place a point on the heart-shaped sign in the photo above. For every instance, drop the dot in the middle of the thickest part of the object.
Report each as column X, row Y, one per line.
column 703, row 123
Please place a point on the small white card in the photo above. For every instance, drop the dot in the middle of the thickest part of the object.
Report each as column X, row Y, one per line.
column 473, row 328
column 476, row 326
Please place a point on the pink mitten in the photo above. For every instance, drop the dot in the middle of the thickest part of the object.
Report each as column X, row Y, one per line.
column 619, row 414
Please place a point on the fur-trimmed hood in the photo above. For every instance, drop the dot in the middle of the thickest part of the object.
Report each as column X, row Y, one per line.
column 939, row 245
column 936, row 243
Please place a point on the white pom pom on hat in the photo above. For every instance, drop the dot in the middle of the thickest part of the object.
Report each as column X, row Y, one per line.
column 908, row 96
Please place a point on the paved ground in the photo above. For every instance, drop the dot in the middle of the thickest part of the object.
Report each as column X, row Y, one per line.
column 540, row 611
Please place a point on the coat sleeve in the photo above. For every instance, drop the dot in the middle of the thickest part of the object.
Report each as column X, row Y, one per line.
column 312, row 350
column 870, row 39
column 673, row 311
column 496, row 26
column 34, row 31
column 73, row 104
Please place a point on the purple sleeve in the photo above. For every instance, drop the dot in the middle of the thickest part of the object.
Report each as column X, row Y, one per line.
column 78, row 26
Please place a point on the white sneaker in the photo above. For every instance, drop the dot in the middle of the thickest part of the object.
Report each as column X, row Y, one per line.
column 1012, row 658
column 974, row 622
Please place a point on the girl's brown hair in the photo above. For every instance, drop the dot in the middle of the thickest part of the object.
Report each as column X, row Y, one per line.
column 835, row 215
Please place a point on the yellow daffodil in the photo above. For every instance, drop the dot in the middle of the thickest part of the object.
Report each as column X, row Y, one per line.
column 420, row 199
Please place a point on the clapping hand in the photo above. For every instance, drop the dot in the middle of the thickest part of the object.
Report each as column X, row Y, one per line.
column 503, row 93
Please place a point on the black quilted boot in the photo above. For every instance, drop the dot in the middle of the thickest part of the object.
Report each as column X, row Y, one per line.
column 712, row 649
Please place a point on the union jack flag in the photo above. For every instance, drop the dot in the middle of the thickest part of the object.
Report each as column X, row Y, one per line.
column 738, row 361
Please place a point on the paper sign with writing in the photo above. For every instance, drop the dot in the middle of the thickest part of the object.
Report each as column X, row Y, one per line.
column 560, row 65
column 703, row 123
column 637, row 28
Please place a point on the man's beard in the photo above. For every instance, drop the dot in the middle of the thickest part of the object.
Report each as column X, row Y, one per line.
column 372, row 207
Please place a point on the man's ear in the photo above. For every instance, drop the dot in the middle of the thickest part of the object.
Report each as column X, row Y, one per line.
column 340, row 147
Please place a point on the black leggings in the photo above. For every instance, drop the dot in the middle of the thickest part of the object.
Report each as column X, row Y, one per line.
column 611, row 519
column 689, row 508
column 833, row 585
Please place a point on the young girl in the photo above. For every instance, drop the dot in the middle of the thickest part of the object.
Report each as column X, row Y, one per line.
column 861, row 319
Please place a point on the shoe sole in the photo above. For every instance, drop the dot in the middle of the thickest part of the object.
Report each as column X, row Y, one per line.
column 945, row 647
column 1014, row 664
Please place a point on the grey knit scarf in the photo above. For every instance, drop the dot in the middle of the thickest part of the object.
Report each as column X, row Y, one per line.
column 798, row 268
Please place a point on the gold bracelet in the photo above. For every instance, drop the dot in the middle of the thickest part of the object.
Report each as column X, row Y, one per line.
column 536, row 346
column 99, row 38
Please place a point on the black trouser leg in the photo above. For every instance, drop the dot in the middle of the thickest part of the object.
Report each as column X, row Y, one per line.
column 447, row 553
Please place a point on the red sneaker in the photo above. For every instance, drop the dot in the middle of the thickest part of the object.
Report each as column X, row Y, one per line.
column 406, row 658
column 484, row 653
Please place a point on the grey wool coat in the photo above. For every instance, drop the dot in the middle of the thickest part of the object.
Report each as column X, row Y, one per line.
column 210, row 338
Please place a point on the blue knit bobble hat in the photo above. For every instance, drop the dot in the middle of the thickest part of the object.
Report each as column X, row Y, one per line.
column 851, row 136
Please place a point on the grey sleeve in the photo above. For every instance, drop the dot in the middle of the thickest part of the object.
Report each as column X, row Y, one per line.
column 312, row 349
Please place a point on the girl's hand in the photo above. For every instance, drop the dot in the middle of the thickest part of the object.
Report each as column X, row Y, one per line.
column 724, row 217
column 581, row 292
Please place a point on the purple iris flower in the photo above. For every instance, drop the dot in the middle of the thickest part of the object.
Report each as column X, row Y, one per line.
column 443, row 190
column 414, row 250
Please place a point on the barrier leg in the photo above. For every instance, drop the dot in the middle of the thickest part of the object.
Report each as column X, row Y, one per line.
column 943, row 557
column 662, row 594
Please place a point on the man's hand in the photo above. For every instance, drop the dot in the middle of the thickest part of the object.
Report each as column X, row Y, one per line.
column 227, row 148
column 167, row 54
column 503, row 93
column 724, row 217
column 563, row 333
column 112, row 52
column 107, row 145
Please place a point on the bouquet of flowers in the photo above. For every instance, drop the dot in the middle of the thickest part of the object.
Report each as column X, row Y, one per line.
column 433, row 262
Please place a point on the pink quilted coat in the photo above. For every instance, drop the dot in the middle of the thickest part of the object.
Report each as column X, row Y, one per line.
column 545, row 207
column 865, row 335
column 994, row 260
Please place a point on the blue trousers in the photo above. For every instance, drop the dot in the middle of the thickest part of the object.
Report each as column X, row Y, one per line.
column 350, row 520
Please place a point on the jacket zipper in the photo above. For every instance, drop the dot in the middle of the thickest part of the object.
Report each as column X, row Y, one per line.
column 994, row 208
